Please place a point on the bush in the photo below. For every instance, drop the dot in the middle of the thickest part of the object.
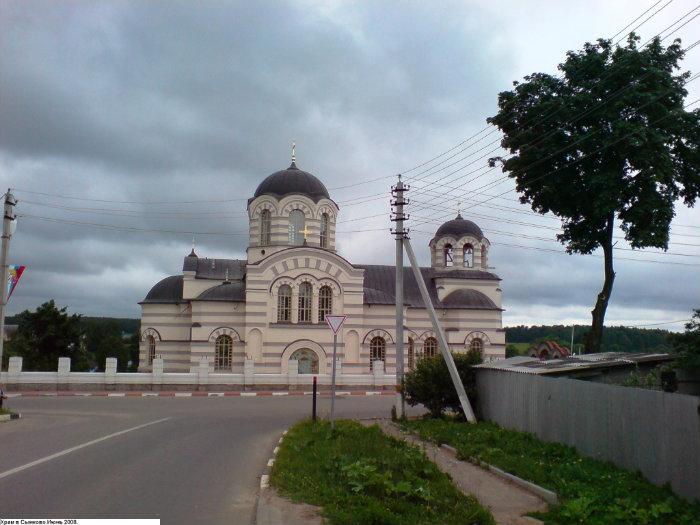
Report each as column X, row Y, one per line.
column 430, row 383
column 687, row 344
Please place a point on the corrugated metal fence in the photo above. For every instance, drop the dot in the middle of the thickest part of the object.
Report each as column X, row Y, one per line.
column 646, row 430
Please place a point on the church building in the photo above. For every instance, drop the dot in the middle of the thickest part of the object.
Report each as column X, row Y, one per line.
column 270, row 306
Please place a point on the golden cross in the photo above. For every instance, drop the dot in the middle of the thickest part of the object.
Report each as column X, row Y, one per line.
column 305, row 231
column 294, row 152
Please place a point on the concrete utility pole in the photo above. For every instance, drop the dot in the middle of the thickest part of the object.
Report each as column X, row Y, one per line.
column 7, row 222
column 444, row 348
column 398, row 217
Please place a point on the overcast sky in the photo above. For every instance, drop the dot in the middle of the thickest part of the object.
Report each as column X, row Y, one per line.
column 126, row 103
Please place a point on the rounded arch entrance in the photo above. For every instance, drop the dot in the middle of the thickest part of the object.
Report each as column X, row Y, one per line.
column 307, row 350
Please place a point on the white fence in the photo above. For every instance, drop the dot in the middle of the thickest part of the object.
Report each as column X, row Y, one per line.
column 199, row 378
column 654, row 432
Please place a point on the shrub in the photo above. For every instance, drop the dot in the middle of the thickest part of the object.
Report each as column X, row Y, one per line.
column 430, row 383
column 687, row 344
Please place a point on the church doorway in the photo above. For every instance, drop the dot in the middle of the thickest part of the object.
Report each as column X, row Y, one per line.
column 307, row 359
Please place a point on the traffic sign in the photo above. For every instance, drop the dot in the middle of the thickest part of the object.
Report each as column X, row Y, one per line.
column 335, row 322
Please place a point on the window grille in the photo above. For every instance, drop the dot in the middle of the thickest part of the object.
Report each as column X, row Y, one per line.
column 449, row 260
column 325, row 303
column 223, row 354
column 324, row 230
column 468, row 256
column 411, row 355
column 377, row 351
column 305, row 296
column 430, row 347
column 265, row 227
column 284, row 304
column 297, row 222
column 477, row 345
column 151, row 348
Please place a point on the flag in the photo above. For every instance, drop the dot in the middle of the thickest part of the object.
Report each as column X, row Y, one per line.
column 14, row 274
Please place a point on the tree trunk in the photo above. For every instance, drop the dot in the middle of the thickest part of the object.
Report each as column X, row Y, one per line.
column 595, row 336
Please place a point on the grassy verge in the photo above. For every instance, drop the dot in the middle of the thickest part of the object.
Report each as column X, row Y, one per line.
column 590, row 491
column 4, row 411
column 358, row 475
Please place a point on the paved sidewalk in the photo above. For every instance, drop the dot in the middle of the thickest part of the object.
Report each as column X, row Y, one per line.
column 275, row 510
column 507, row 502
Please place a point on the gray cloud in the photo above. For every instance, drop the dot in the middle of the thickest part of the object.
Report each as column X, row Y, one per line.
column 156, row 101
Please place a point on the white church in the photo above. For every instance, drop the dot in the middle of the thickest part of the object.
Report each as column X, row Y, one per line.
column 269, row 308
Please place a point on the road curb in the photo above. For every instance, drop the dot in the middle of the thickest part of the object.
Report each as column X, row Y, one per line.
column 178, row 394
column 9, row 417
column 546, row 494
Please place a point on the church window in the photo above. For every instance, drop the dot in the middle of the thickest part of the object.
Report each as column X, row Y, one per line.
column 223, row 352
column 477, row 345
column 449, row 260
column 284, row 304
column 305, row 296
column 151, row 342
column 297, row 227
column 324, row 230
column 265, row 227
column 411, row 355
column 377, row 351
column 325, row 303
column 430, row 347
column 468, row 256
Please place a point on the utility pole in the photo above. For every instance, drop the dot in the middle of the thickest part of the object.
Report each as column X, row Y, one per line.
column 442, row 340
column 398, row 217
column 572, row 339
column 7, row 223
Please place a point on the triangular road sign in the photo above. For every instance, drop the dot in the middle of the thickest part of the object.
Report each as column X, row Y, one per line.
column 335, row 322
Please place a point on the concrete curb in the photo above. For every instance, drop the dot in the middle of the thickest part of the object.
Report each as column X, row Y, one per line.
column 237, row 393
column 9, row 417
column 546, row 494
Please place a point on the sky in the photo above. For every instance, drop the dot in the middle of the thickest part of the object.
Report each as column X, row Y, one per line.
column 167, row 115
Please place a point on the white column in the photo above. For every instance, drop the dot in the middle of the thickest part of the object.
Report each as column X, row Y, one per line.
column 63, row 370
column 110, row 371
column 248, row 372
column 203, row 372
column 157, row 373
column 293, row 371
column 14, row 369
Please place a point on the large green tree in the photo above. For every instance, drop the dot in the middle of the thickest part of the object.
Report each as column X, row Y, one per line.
column 45, row 335
column 607, row 145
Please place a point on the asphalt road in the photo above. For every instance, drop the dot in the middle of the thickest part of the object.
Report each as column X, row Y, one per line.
column 183, row 460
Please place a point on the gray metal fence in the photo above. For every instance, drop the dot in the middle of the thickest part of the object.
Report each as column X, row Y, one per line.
column 646, row 430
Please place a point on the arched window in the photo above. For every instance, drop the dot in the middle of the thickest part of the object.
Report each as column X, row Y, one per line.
column 411, row 355
column 151, row 343
column 325, row 303
column 284, row 304
column 265, row 227
column 305, row 296
column 430, row 347
column 377, row 351
column 468, row 256
column 477, row 345
column 297, row 222
column 223, row 352
column 449, row 260
column 324, row 230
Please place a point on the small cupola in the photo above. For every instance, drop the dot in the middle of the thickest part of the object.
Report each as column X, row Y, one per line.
column 459, row 244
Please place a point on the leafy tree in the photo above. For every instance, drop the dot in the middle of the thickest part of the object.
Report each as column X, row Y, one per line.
column 610, row 141
column 687, row 344
column 102, row 339
column 430, row 384
column 45, row 335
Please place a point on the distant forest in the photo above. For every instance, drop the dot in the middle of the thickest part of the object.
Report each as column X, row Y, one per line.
column 126, row 325
column 615, row 338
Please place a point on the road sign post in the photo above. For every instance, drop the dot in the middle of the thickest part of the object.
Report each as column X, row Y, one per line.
column 334, row 322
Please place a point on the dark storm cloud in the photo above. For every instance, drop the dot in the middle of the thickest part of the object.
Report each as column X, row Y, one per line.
column 175, row 101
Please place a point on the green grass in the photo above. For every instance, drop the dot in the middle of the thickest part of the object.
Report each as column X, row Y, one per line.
column 359, row 475
column 4, row 411
column 590, row 491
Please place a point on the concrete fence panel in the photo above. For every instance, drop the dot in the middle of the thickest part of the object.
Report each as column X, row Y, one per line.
column 654, row 432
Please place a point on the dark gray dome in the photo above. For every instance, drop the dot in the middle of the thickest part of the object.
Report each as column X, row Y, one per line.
column 292, row 181
column 168, row 290
column 227, row 291
column 469, row 299
column 459, row 227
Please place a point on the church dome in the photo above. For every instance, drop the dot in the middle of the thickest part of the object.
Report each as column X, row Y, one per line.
column 292, row 181
column 459, row 227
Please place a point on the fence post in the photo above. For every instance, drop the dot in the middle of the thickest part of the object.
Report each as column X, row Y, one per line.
column 63, row 375
column 14, row 369
column 293, row 372
column 110, row 373
column 203, row 374
column 157, row 373
column 248, row 373
column 377, row 372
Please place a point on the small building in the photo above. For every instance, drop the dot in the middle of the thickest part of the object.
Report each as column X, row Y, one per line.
column 548, row 350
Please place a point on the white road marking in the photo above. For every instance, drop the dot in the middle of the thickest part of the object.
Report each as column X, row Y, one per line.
column 249, row 394
column 280, row 393
column 83, row 394
column 77, row 447
column 149, row 394
column 264, row 481
column 116, row 394
column 215, row 394
column 12, row 395
column 183, row 394
column 372, row 393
